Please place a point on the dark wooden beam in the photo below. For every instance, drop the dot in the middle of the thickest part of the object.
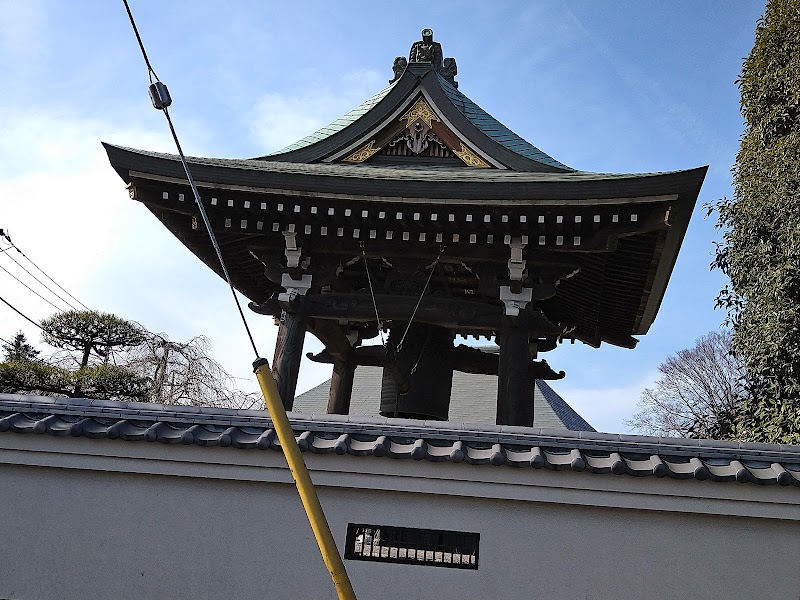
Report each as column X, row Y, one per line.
column 514, row 381
column 288, row 352
column 341, row 387
column 464, row 358
column 450, row 313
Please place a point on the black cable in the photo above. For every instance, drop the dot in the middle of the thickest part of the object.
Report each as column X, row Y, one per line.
column 16, row 310
column 210, row 231
column 67, row 302
column 6, row 342
column 30, row 288
column 163, row 107
column 150, row 72
column 15, row 247
column 46, row 275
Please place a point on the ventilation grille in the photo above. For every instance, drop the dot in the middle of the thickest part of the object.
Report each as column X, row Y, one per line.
column 411, row 546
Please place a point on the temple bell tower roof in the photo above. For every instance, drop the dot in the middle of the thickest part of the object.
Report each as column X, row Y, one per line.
column 424, row 84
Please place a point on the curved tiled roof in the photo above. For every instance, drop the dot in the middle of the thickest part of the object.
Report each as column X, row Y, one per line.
column 494, row 129
column 558, row 450
column 337, row 125
column 133, row 158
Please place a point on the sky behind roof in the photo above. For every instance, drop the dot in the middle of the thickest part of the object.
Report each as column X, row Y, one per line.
column 627, row 86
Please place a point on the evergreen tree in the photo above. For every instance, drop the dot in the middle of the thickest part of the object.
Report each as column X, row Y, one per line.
column 90, row 339
column 20, row 350
column 760, row 251
column 91, row 333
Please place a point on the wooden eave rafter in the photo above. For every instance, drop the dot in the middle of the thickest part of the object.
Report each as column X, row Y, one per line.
column 385, row 184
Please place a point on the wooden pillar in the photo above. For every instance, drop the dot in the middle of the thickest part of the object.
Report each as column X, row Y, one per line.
column 341, row 387
column 289, row 352
column 514, row 382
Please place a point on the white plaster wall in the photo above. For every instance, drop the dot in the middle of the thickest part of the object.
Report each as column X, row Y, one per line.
column 89, row 529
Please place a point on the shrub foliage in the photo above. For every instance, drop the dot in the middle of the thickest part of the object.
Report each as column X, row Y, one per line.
column 760, row 251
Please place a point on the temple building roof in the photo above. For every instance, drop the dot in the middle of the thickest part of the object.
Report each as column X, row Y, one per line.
column 622, row 232
column 441, row 124
column 417, row 176
column 482, row 120
column 471, row 400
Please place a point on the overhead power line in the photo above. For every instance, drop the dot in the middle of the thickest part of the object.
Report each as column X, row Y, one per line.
column 30, row 288
column 20, row 313
column 40, row 282
column 159, row 95
column 5, row 235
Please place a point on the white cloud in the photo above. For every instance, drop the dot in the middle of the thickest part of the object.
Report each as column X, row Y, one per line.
column 67, row 209
column 282, row 119
column 605, row 408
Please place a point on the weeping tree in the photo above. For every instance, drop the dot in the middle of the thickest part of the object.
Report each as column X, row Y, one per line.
column 185, row 373
column 760, row 251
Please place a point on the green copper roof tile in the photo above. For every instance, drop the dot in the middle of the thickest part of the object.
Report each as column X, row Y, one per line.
column 496, row 130
column 337, row 125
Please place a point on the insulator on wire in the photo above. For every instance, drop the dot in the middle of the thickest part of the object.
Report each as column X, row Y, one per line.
column 159, row 94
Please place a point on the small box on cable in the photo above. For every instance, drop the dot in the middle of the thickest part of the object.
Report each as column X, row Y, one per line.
column 159, row 94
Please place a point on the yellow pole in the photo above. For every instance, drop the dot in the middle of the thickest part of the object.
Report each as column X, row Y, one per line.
column 308, row 495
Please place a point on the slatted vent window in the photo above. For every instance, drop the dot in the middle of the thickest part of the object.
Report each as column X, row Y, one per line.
column 406, row 545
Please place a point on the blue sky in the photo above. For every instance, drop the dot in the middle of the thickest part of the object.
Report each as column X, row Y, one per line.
column 627, row 86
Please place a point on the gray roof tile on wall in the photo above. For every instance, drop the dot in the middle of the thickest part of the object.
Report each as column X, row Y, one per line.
column 590, row 452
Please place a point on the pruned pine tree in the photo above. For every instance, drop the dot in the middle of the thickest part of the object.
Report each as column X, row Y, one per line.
column 760, row 251
column 96, row 337
column 92, row 334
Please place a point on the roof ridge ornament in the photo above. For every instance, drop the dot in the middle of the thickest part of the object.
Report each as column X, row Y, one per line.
column 426, row 51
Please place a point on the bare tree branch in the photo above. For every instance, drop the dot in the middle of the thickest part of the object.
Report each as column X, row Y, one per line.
column 184, row 373
column 699, row 394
